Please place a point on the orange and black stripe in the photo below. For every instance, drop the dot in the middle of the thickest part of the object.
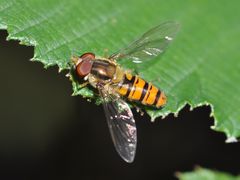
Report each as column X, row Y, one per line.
column 136, row 89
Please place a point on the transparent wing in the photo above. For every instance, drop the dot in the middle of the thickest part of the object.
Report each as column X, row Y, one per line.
column 150, row 44
column 121, row 125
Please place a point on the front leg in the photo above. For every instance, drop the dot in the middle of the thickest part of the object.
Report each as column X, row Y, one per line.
column 84, row 84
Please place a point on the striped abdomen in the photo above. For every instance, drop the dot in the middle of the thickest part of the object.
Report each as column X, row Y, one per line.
column 136, row 89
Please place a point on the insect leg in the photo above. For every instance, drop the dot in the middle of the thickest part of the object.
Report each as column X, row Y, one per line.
column 84, row 84
column 138, row 109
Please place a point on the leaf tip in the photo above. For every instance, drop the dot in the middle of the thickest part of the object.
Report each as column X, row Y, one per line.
column 46, row 66
column 231, row 139
column 3, row 26
column 60, row 70
column 23, row 40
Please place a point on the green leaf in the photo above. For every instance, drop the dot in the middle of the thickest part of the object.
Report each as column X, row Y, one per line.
column 201, row 67
column 205, row 174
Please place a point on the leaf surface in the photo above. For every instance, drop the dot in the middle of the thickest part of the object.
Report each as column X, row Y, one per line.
column 200, row 67
column 206, row 174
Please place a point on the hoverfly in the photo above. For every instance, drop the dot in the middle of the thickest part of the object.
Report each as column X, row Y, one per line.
column 116, row 84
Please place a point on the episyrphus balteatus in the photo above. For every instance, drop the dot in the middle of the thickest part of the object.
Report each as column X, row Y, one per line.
column 116, row 84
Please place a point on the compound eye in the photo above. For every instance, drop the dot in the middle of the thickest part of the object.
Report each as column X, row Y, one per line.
column 85, row 66
column 88, row 56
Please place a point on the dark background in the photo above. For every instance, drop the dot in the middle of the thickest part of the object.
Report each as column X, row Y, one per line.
column 45, row 133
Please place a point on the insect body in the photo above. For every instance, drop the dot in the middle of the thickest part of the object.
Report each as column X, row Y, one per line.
column 107, row 72
column 116, row 84
column 135, row 88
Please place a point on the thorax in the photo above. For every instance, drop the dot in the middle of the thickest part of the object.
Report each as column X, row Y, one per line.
column 106, row 72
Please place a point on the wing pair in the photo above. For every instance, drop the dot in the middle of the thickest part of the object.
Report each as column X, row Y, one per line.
column 118, row 114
